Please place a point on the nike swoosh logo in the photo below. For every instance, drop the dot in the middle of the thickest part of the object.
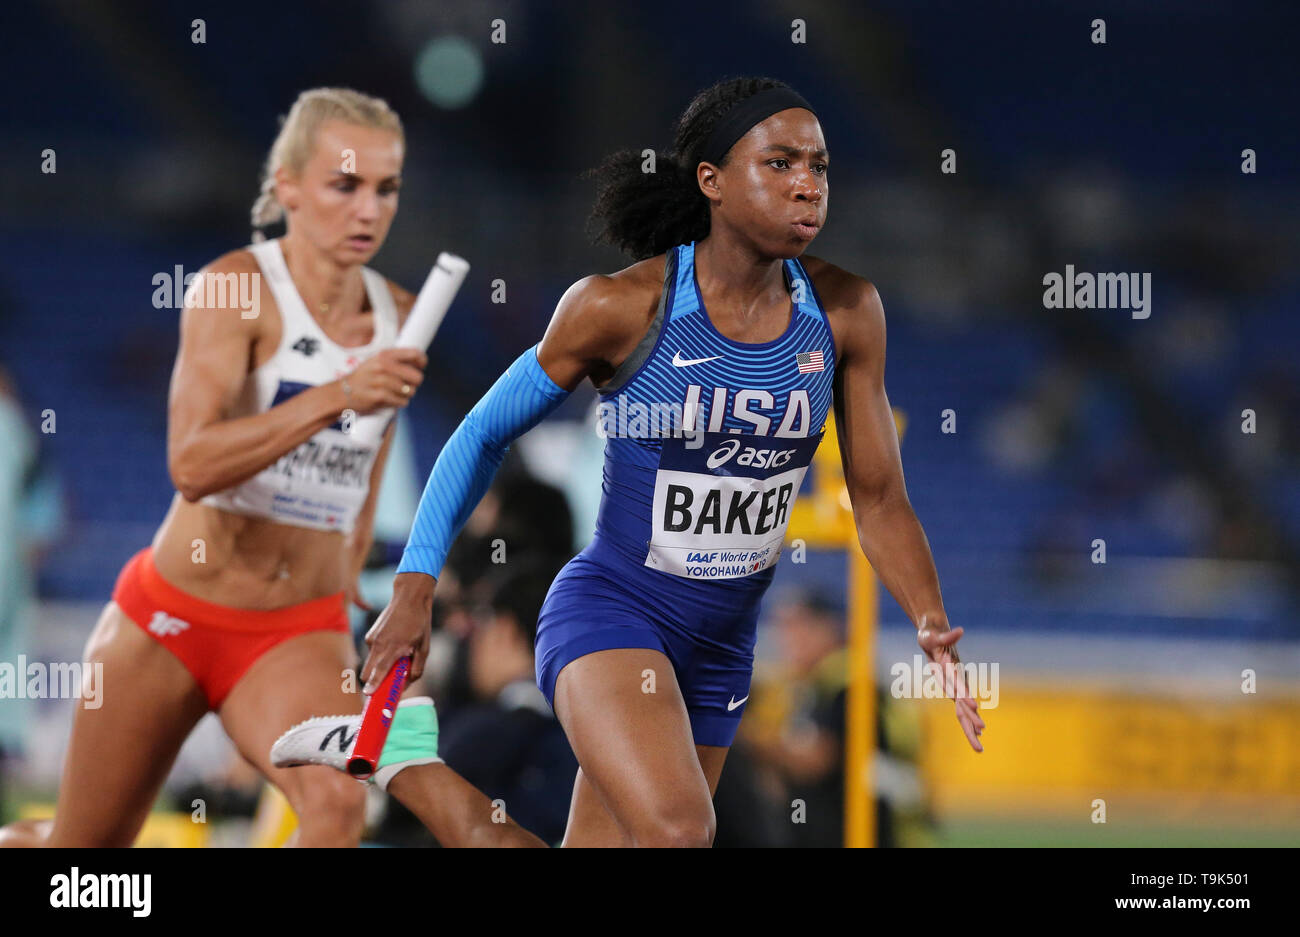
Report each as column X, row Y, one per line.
column 736, row 702
column 680, row 362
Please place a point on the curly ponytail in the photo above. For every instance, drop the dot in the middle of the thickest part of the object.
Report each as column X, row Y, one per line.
column 646, row 213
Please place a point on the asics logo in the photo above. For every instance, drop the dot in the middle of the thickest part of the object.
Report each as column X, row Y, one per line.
column 755, row 457
column 680, row 362
column 736, row 702
column 723, row 453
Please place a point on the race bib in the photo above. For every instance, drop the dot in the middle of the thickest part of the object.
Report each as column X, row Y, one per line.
column 721, row 508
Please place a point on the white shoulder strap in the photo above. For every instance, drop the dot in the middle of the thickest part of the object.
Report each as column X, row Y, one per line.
column 293, row 311
column 381, row 301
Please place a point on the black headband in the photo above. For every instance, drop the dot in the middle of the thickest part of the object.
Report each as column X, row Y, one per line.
column 745, row 114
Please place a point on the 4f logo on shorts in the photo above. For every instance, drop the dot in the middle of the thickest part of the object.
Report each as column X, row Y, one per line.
column 165, row 625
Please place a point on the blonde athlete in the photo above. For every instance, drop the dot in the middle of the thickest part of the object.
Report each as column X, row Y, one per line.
column 280, row 416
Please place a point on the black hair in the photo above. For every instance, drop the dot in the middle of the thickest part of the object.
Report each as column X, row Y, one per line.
column 646, row 213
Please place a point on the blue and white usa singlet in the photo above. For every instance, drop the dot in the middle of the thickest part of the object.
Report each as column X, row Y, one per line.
column 707, row 443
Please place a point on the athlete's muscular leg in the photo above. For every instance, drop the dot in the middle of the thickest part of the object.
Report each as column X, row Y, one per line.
column 454, row 811
column 636, row 748
column 295, row 680
column 119, row 754
column 458, row 814
column 592, row 825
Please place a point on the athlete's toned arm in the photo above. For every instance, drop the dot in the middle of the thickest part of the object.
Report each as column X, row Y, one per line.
column 596, row 324
column 888, row 530
column 206, row 450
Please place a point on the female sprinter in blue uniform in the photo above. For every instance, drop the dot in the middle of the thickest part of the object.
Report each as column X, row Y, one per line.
column 718, row 357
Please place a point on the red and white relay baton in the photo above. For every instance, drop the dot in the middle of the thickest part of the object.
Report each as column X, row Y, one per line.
column 377, row 719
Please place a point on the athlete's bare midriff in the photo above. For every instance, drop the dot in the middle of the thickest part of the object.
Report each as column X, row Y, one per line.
column 247, row 562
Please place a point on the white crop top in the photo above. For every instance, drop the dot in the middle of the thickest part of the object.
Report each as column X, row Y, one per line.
column 323, row 483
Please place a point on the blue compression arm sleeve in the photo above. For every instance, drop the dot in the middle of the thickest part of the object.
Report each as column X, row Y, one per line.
column 519, row 400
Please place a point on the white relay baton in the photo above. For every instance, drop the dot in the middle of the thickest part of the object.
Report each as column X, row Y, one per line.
column 431, row 305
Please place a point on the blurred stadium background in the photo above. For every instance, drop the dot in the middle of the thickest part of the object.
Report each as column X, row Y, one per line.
column 1120, row 681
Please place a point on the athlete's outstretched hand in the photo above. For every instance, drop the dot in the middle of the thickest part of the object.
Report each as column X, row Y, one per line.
column 402, row 628
column 940, row 644
column 386, row 379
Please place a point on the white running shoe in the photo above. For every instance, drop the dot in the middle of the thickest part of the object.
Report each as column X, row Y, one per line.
column 329, row 740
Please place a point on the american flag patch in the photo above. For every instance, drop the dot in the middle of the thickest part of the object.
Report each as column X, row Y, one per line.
column 809, row 361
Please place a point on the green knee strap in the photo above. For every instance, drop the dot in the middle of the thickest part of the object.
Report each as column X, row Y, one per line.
column 412, row 740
